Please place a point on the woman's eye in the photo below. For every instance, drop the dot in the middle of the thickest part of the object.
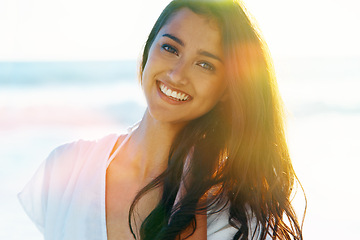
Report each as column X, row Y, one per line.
column 169, row 49
column 207, row 66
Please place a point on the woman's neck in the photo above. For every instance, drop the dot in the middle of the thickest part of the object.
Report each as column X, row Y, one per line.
column 149, row 146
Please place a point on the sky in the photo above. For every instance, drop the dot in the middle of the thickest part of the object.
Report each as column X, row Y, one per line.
column 33, row 30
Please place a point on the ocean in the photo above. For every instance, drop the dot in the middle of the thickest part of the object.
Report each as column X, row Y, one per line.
column 46, row 104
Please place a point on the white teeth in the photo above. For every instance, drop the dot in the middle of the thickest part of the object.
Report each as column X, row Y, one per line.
column 174, row 94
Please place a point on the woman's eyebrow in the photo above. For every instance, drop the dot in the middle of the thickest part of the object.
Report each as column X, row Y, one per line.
column 174, row 38
column 210, row 55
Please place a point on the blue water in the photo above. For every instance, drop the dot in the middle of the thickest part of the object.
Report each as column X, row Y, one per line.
column 83, row 72
column 45, row 104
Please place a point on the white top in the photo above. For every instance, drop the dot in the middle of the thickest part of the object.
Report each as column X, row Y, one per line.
column 66, row 196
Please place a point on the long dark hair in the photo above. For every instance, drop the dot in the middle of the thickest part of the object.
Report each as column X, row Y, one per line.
column 238, row 154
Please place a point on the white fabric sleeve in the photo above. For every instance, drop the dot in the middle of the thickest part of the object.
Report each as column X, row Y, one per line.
column 32, row 198
column 219, row 227
column 34, row 195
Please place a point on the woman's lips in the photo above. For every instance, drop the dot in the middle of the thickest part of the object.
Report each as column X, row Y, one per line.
column 173, row 94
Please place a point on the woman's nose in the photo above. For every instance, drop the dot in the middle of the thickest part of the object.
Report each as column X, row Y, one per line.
column 178, row 73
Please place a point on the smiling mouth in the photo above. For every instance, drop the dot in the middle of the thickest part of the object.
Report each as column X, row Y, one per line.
column 174, row 95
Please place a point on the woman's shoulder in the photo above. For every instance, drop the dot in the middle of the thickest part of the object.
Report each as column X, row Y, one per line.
column 67, row 167
column 81, row 148
column 83, row 144
column 70, row 159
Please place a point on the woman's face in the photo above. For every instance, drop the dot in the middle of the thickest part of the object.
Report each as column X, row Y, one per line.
column 184, row 75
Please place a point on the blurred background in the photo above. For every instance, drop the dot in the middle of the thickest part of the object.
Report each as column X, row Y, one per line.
column 68, row 70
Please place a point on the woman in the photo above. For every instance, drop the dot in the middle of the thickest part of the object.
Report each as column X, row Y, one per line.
column 208, row 160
